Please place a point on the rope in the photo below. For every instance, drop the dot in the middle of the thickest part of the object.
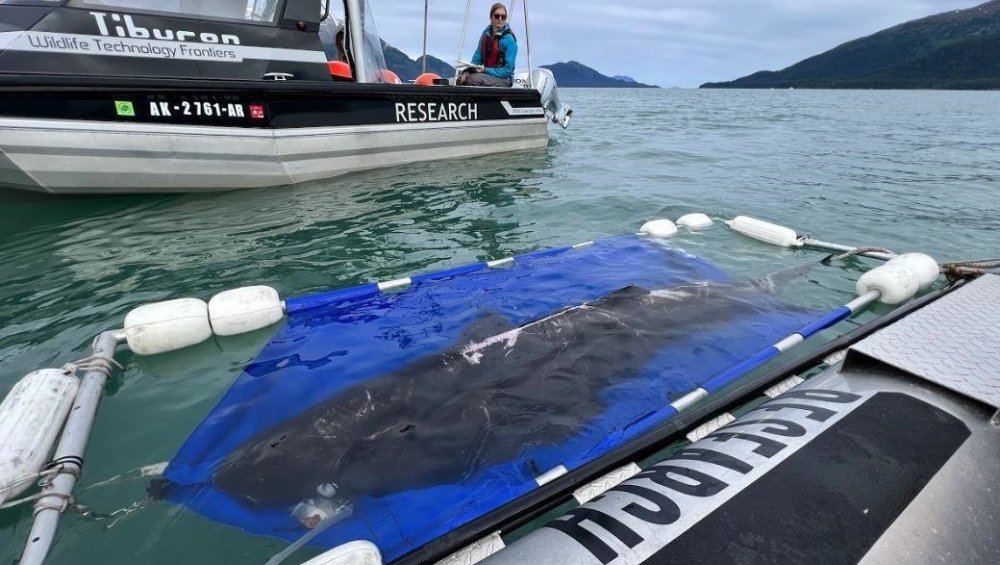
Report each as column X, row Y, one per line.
column 21, row 501
column 115, row 516
column 146, row 471
column 954, row 271
column 44, row 477
column 69, row 464
column 292, row 548
column 100, row 363
column 979, row 263
column 17, row 482
column 958, row 270
column 66, row 500
column 860, row 250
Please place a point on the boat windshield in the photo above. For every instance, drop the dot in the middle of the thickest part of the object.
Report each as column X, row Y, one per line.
column 374, row 59
column 332, row 34
column 263, row 11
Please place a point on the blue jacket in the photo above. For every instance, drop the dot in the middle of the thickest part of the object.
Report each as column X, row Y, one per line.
column 508, row 45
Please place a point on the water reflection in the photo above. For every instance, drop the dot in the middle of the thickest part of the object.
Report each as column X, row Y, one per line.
column 77, row 263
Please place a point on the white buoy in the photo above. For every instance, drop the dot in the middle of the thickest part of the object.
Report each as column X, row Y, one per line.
column 658, row 228
column 696, row 221
column 167, row 326
column 245, row 309
column 359, row 552
column 31, row 418
column 765, row 231
column 924, row 267
column 897, row 283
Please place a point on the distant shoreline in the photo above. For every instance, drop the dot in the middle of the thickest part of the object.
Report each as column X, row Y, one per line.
column 954, row 50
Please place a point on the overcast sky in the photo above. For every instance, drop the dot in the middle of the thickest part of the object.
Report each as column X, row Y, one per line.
column 663, row 42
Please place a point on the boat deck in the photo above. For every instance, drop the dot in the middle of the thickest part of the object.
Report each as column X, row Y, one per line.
column 953, row 342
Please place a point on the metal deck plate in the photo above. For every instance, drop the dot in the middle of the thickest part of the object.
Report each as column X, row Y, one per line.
column 954, row 341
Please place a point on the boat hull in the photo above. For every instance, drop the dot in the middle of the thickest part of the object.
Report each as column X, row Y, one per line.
column 82, row 157
column 137, row 139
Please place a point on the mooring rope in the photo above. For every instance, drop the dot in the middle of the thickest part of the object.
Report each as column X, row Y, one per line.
column 44, row 478
column 954, row 270
column 957, row 270
column 102, row 363
column 860, row 250
column 146, row 471
column 68, row 502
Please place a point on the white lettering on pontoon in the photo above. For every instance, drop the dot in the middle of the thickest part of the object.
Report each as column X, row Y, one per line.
column 436, row 111
column 737, row 454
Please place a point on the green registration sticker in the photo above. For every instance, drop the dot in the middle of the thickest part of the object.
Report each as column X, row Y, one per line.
column 124, row 108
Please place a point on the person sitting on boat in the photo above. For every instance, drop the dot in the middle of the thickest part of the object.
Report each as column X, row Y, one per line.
column 495, row 56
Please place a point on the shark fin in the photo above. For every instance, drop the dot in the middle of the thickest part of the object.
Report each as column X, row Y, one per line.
column 622, row 295
column 769, row 283
column 631, row 290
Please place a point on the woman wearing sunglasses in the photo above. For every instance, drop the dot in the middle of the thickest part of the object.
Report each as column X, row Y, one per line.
column 494, row 58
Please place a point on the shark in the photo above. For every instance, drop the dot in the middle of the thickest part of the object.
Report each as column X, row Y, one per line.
column 498, row 390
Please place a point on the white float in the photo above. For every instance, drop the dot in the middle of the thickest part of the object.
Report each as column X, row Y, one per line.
column 354, row 553
column 924, row 267
column 31, row 418
column 896, row 283
column 167, row 326
column 245, row 309
column 696, row 221
column 765, row 231
column 658, row 228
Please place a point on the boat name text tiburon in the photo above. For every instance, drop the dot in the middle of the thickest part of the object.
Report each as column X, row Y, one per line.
column 130, row 30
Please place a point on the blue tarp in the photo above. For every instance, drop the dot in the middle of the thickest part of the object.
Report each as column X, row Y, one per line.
column 333, row 341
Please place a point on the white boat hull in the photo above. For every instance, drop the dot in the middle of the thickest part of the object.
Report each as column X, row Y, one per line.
column 90, row 157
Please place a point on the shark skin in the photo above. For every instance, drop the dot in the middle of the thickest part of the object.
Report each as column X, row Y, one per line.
column 479, row 403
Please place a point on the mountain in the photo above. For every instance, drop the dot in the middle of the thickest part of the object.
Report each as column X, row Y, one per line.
column 567, row 74
column 409, row 69
column 957, row 50
column 573, row 74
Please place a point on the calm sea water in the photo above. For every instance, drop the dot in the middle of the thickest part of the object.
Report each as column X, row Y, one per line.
column 905, row 170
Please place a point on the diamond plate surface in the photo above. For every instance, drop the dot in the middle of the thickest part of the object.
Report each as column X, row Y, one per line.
column 954, row 341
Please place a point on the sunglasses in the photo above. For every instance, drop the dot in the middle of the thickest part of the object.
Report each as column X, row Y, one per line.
column 499, row 16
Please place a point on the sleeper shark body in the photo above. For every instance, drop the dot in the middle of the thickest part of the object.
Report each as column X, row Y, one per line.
column 496, row 392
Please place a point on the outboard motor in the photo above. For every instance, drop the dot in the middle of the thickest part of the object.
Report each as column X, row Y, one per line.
column 543, row 81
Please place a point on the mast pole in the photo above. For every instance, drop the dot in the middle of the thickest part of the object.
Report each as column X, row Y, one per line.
column 527, row 38
column 465, row 27
column 425, row 36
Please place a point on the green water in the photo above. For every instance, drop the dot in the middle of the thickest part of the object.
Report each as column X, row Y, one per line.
column 905, row 170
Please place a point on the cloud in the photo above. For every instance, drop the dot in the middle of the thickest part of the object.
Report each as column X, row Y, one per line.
column 665, row 42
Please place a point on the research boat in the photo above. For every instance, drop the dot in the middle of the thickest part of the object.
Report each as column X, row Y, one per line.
column 144, row 96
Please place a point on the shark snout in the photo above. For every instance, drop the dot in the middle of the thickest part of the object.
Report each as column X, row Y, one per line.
column 327, row 507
